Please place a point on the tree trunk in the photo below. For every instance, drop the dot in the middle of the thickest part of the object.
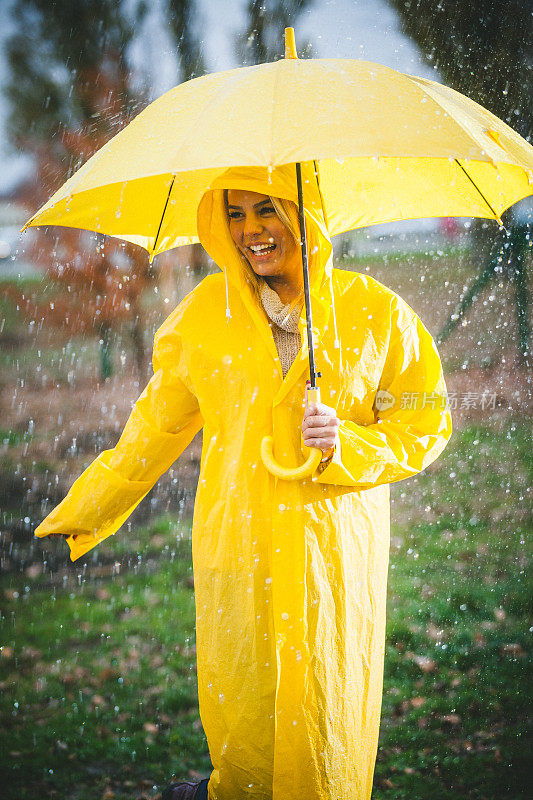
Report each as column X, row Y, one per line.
column 106, row 365
column 137, row 338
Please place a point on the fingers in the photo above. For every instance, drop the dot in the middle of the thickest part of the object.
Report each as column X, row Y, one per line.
column 318, row 409
column 330, row 422
column 320, row 422
column 323, row 437
column 320, row 426
column 320, row 444
column 320, row 434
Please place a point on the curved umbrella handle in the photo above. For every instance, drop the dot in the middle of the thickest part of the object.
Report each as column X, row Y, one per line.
column 289, row 473
column 312, row 395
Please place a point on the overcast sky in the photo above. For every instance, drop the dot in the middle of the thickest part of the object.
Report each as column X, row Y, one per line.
column 366, row 29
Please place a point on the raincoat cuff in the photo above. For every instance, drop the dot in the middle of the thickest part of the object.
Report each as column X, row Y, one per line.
column 99, row 493
column 333, row 470
column 336, row 472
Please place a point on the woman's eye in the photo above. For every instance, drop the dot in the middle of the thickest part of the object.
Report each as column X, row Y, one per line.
column 267, row 210
column 234, row 214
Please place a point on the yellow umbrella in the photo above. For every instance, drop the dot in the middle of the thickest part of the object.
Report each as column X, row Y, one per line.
column 385, row 146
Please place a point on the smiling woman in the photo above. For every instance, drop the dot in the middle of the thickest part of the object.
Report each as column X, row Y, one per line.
column 290, row 576
column 266, row 233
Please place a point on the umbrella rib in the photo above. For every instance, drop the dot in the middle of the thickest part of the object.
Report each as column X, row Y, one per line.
column 476, row 187
column 315, row 162
column 163, row 214
column 272, row 131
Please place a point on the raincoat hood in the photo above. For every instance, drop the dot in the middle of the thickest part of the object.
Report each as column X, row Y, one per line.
column 214, row 235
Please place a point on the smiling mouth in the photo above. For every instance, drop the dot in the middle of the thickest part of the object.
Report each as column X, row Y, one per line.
column 261, row 250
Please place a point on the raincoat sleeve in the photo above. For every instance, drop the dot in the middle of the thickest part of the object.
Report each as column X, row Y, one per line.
column 414, row 423
column 162, row 423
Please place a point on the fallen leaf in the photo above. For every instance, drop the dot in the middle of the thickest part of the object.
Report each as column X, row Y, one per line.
column 384, row 783
column 97, row 700
column 107, row 673
column 425, row 663
column 452, row 719
column 513, row 649
column 416, row 702
column 31, row 652
column 150, row 727
column 434, row 633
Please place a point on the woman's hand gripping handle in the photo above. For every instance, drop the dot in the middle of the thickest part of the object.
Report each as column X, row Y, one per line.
column 316, row 429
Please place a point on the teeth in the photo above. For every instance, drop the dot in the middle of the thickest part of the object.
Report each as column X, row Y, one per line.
column 257, row 248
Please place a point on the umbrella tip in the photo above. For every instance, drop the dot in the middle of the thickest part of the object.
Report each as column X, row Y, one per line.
column 290, row 44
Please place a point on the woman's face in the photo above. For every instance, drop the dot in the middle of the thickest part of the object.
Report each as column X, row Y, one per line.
column 261, row 236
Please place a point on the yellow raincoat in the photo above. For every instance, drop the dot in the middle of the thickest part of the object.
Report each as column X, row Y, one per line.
column 290, row 576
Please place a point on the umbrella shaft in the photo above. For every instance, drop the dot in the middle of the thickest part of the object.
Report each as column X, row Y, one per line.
column 312, row 372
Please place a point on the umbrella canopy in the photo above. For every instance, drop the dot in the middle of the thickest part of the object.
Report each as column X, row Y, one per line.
column 386, row 146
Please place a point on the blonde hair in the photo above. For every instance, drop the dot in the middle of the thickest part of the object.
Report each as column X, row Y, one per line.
column 287, row 212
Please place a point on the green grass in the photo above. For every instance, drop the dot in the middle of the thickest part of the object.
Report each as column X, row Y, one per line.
column 11, row 438
column 98, row 677
column 455, row 705
column 99, row 692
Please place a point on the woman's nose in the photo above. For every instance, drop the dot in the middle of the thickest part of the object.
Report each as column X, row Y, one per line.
column 252, row 224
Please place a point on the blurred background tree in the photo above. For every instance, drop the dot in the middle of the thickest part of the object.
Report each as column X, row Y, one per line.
column 484, row 49
column 263, row 38
column 69, row 93
column 183, row 18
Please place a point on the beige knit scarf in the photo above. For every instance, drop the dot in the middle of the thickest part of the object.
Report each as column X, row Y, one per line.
column 284, row 324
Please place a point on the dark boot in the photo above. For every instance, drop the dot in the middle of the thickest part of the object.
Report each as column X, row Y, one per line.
column 186, row 791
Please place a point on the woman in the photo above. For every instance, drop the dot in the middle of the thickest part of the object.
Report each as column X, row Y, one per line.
column 290, row 576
